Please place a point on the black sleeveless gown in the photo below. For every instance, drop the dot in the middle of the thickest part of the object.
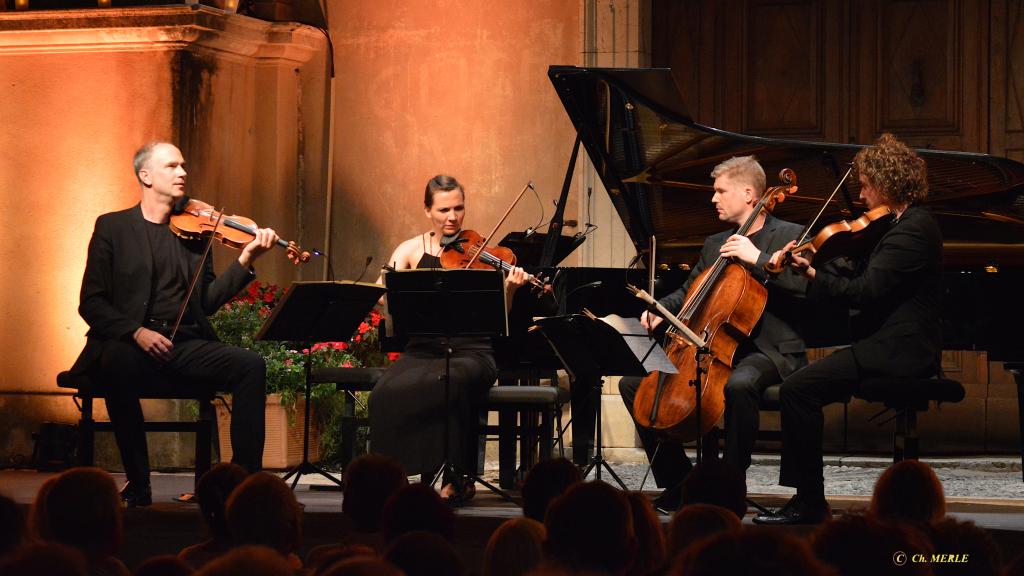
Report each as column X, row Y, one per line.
column 407, row 409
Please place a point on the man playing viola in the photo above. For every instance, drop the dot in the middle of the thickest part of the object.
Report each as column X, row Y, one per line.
column 775, row 348
column 896, row 292
column 136, row 280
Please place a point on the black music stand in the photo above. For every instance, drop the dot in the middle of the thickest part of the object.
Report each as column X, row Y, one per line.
column 438, row 303
column 318, row 312
column 609, row 346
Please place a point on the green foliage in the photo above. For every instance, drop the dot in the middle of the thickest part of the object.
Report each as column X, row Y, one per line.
column 237, row 323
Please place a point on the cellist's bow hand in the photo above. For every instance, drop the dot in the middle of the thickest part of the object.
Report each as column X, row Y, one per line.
column 650, row 321
column 741, row 248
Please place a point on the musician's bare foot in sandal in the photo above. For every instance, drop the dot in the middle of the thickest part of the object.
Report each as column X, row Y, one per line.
column 452, row 494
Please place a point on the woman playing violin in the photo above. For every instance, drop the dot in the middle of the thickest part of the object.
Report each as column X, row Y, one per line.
column 407, row 409
column 895, row 290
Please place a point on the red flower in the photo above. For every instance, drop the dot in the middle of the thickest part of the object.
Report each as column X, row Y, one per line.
column 268, row 297
column 254, row 289
column 393, row 356
column 288, row 362
column 375, row 318
column 319, row 346
column 340, row 345
column 364, row 327
column 305, row 350
column 346, row 365
column 357, row 338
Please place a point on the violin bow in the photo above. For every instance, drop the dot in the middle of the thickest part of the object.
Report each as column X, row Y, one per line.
column 195, row 276
column 529, row 186
column 810, row 225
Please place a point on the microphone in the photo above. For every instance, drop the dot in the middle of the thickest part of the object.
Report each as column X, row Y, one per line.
column 365, row 268
column 179, row 205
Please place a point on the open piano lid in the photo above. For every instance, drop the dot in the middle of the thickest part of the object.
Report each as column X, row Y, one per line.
column 655, row 162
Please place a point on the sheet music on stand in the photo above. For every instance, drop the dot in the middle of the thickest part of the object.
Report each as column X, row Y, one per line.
column 610, row 345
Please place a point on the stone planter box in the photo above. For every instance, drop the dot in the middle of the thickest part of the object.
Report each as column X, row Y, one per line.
column 283, row 446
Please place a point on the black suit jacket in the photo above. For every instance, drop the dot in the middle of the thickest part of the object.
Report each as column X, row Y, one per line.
column 777, row 335
column 897, row 293
column 118, row 283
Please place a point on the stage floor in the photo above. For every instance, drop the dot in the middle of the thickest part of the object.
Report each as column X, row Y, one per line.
column 168, row 525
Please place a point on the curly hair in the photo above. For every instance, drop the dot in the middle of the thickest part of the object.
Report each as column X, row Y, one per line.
column 896, row 170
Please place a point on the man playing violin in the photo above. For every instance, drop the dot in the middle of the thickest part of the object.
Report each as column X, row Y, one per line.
column 407, row 411
column 136, row 279
column 896, row 292
column 775, row 348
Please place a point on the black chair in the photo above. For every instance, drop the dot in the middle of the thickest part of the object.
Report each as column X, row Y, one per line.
column 531, row 413
column 349, row 381
column 905, row 397
column 204, row 426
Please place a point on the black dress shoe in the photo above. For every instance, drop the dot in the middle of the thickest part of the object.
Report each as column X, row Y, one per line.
column 135, row 495
column 798, row 510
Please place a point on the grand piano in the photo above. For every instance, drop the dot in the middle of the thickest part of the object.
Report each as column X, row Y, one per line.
column 655, row 162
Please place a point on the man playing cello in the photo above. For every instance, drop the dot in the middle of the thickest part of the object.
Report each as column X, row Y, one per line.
column 775, row 348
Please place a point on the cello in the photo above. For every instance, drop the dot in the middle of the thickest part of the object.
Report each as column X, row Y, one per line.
column 723, row 306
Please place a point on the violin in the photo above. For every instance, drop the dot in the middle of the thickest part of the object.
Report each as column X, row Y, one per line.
column 194, row 220
column 843, row 238
column 469, row 250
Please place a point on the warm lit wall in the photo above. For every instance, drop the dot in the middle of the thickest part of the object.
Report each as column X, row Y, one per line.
column 81, row 91
column 457, row 87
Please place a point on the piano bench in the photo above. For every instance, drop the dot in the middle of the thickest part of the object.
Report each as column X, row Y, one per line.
column 204, row 426
column 525, row 404
column 906, row 397
column 349, row 381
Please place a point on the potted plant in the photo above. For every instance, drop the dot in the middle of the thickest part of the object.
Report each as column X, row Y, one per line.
column 237, row 323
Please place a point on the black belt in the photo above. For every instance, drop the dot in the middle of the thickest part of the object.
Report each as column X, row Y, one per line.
column 166, row 326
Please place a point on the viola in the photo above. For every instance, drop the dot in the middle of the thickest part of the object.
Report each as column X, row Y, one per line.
column 469, row 250
column 193, row 220
column 850, row 238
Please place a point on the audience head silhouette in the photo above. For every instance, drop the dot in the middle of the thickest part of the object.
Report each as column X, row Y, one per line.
column 650, row 536
column 750, row 551
column 163, row 566
column 909, row 491
column 953, row 536
column 547, row 480
column 249, row 561
column 695, row 522
column 422, row 553
column 92, row 524
column 363, row 566
column 515, row 548
column 863, row 544
column 590, row 527
column 213, row 491
column 263, row 511
column 45, row 558
column 417, row 507
column 370, row 481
